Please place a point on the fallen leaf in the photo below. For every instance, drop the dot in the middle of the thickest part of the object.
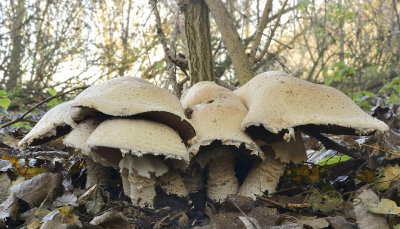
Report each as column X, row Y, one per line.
column 366, row 175
column 5, row 184
column 64, row 200
column 389, row 174
column 112, row 219
column 96, row 203
column 314, row 222
column 386, row 206
column 35, row 190
column 326, row 202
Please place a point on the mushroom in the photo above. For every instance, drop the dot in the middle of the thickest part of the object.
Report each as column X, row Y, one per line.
column 265, row 175
column 144, row 151
column 278, row 103
column 99, row 170
column 130, row 96
column 281, row 106
column 52, row 125
column 216, row 114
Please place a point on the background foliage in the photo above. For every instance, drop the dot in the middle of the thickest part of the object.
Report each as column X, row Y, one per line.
column 50, row 45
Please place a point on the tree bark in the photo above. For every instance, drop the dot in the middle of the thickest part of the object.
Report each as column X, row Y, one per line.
column 14, row 72
column 197, row 31
column 231, row 39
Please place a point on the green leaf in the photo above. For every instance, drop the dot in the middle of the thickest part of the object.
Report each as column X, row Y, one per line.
column 333, row 160
column 53, row 102
column 5, row 103
column 3, row 93
column 27, row 125
column 397, row 88
column 52, row 92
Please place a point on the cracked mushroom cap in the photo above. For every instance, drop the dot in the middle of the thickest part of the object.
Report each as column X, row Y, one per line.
column 77, row 139
column 52, row 125
column 279, row 102
column 128, row 96
column 216, row 114
column 114, row 138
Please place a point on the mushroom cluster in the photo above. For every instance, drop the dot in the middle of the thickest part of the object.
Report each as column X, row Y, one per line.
column 240, row 140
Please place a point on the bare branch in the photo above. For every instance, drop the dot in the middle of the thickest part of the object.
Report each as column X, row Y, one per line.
column 265, row 50
column 260, row 28
column 330, row 144
column 231, row 39
column 179, row 60
column 22, row 117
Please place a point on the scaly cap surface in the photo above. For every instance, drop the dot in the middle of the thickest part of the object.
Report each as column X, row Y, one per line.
column 52, row 125
column 77, row 139
column 137, row 137
column 216, row 115
column 128, row 96
column 278, row 101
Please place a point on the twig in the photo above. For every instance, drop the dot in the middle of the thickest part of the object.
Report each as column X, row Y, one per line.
column 179, row 60
column 265, row 50
column 330, row 144
column 286, row 206
column 22, row 117
column 231, row 199
column 260, row 28
column 170, row 57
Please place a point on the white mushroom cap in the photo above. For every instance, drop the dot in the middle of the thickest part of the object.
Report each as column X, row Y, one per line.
column 128, row 96
column 77, row 139
column 203, row 93
column 216, row 115
column 278, row 101
column 52, row 125
column 137, row 137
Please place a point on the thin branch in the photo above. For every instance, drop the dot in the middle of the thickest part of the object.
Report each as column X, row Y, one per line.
column 330, row 144
column 231, row 39
column 288, row 206
column 397, row 13
column 179, row 60
column 22, row 117
column 265, row 50
column 260, row 29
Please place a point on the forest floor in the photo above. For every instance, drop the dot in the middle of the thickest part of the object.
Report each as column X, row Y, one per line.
column 44, row 187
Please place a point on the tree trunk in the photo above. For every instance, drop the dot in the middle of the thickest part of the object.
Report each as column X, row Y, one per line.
column 14, row 71
column 197, row 31
column 231, row 39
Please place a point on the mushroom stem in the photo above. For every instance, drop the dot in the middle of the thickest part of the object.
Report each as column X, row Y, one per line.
column 221, row 180
column 193, row 179
column 264, row 176
column 142, row 189
column 172, row 183
column 97, row 174
column 125, row 182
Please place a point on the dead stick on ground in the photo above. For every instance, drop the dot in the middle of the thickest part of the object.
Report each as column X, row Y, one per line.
column 287, row 205
column 330, row 144
column 21, row 118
